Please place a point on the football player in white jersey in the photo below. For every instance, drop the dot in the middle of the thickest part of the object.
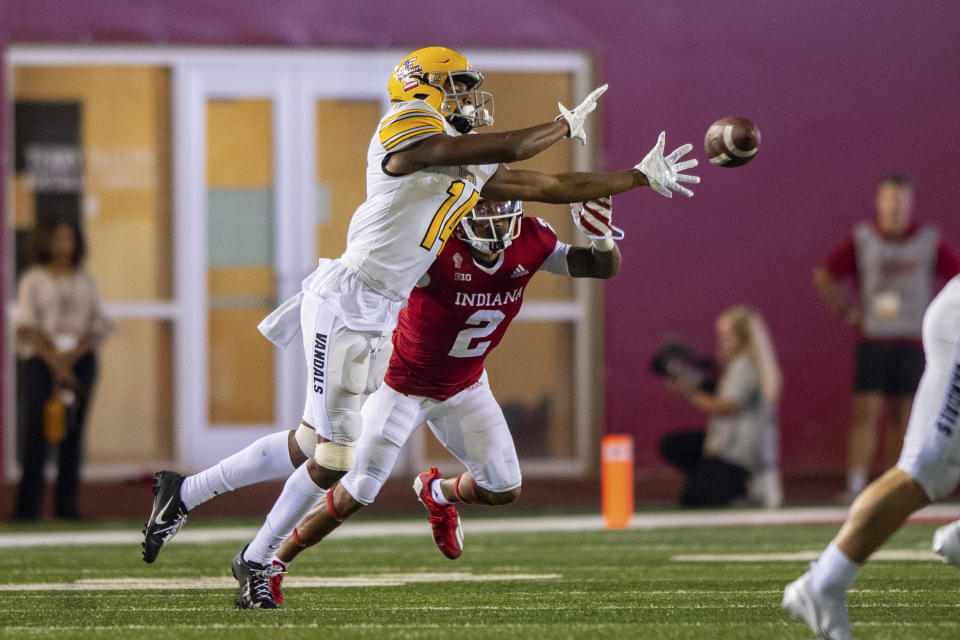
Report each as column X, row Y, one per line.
column 423, row 176
column 928, row 470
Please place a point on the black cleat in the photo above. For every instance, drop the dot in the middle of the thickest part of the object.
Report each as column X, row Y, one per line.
column 168, row 514
column 253, row 591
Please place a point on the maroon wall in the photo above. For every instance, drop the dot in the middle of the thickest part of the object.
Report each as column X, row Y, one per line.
column 842, row 94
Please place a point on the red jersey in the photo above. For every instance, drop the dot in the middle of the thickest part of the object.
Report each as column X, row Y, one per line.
column 452, row 322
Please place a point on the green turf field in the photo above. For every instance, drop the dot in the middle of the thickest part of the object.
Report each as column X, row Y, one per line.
column 588, row 584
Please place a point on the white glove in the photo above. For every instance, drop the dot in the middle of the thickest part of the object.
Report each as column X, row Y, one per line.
column 576, row 117
column 593, row 219
column 665, row 173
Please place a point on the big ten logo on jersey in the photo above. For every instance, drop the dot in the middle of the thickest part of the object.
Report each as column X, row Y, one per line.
column 468, row 175
column 459, row 275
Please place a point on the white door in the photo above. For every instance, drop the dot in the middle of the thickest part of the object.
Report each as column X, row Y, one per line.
column 243, row 245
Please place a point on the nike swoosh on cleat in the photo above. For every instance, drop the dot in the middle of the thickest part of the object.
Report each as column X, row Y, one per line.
column 160, row 513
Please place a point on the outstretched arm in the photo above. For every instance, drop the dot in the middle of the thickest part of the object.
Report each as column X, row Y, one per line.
column 494, row 148
column 482, row 148
column 560, row 188
column 663, row 173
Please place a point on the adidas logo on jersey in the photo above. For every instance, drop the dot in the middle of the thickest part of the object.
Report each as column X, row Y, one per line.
column 519, row 272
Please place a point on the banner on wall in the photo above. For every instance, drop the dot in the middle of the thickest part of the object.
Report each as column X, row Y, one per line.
column 49, row 156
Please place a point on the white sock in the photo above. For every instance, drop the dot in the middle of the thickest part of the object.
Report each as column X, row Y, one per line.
column 856, row 481
column 299, row 495
column 437, row 494
column 833, row 573
column 266, row 459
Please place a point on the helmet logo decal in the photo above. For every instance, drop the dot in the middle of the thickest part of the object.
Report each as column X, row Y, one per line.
column 407, row 72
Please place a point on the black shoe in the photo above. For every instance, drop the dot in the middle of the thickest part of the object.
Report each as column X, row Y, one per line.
column 168, row 514
column 253, row 591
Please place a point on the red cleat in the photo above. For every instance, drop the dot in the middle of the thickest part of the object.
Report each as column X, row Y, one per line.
column 276, row 572
column 444, row 519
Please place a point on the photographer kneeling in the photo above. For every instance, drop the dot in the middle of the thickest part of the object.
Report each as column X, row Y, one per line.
column 738, row 454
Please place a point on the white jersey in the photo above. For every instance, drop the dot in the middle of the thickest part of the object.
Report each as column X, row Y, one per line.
column 931, row 446
column 396, row 234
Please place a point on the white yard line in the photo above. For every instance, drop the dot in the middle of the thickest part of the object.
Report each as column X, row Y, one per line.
column 406, row 527
column 381, row 580
column 801, row 556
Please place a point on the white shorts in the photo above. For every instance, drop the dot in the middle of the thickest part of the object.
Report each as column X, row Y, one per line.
column 931, row 447
column 345, row 327
column 470, row 425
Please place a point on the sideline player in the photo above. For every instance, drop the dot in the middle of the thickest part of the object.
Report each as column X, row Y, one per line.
column 455, row 318
column 423, row 176
column 928, row 470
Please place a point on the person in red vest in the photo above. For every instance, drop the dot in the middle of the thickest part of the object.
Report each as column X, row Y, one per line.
column 896, row 266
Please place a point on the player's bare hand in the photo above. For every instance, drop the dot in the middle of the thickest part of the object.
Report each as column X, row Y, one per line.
column 577, row 116
column 665, row 173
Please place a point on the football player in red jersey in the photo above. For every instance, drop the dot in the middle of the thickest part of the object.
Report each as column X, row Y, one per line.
column 455, row 317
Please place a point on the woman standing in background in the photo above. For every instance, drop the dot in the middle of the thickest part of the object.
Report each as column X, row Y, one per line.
column 59, row 324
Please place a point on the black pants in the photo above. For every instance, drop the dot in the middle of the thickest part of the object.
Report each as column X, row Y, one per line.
column 34, row 386
column 711, row 482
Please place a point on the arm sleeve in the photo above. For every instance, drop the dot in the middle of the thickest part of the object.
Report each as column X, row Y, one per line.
column 948, row 264
column 556, row 262
column 556, row 251
column 842, row 262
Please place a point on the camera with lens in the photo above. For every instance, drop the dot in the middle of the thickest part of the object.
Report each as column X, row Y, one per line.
column 681, row 363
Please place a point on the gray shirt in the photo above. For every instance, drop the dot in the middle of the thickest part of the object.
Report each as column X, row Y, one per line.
column 748, row 437
column 65, row 307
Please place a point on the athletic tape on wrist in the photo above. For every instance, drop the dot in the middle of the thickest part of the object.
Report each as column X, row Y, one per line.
column 603, row 244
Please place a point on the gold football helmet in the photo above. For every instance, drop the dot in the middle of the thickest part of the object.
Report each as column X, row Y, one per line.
column 442, row 78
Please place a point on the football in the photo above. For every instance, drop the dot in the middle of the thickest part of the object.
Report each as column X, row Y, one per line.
column 731, row 142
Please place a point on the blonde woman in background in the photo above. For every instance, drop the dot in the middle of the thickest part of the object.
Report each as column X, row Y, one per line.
column 738, row 454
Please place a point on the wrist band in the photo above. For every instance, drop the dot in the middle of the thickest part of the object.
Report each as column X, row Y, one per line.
column 603, row 244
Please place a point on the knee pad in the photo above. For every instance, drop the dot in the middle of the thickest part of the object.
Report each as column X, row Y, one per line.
column 346, row 422
column 379, row 362
column 331, row 455
column 350, row 362
column 306, row 439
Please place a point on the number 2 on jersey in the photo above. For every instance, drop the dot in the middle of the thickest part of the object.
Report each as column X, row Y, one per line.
column 488, row 321
column 444, row 222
